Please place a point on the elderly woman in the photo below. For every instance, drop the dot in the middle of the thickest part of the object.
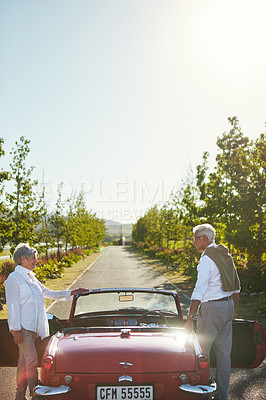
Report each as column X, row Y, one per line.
column 27, row 318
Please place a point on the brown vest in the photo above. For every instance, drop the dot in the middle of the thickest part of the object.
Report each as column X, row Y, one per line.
column 224, row 261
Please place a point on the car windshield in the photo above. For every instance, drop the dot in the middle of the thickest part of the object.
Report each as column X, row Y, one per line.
column 124, row 300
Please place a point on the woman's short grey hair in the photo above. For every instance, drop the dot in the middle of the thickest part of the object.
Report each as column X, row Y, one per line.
column 205, row 229
column 23, row 250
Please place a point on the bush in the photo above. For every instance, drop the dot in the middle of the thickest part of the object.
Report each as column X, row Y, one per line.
column 51, row 270
column 6, row 269
column 188, row 260
column 252, row 279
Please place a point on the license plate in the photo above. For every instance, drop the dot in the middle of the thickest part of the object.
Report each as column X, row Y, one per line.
column 124, row 392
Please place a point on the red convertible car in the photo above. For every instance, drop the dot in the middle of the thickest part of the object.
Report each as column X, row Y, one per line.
column 130, row 343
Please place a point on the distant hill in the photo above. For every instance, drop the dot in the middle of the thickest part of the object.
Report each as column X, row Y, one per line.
column 109, row 222
column 115, row 230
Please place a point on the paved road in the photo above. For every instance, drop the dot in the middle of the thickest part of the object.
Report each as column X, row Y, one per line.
column 119, row 266
column 116, row 267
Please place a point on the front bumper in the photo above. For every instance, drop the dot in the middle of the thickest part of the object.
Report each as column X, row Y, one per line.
column 200, row 389
column 40, row 390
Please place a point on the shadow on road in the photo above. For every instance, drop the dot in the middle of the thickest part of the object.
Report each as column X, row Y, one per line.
column 248, row 383
column 143, row 259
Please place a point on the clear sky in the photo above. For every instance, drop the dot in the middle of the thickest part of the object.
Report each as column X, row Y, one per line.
column 119, row 97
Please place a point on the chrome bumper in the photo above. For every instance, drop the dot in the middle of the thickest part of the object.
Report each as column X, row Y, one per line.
column 40, row 390
column 197, row 389
column 200, row 389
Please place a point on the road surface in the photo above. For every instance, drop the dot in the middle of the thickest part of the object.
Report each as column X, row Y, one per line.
column 119, row 266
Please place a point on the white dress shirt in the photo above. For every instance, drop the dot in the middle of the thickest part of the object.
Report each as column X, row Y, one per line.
column 209, row 283
column 25, row 301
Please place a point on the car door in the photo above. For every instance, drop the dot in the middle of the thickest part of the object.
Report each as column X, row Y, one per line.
column 249, row 345
column 9, row 350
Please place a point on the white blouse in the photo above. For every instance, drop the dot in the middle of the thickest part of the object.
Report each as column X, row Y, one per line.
column 25, row 301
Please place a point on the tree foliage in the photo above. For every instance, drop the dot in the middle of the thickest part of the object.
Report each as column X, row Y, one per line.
column 57, row 222
column 25, row 217
column 82, row 227
column 232, row 197
column 4, row 176
column 23, row 213
column 234, row 194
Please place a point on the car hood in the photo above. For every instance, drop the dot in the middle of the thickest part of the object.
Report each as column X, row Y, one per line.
column 113, row 352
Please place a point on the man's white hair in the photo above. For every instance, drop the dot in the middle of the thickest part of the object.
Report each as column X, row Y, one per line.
column 205, row 229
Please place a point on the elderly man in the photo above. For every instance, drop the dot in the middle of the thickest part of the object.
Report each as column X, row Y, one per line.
column 26, row 314
column 215, row 296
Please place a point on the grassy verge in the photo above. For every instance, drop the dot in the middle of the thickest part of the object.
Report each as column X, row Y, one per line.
column 70, row 274
column 248, row 305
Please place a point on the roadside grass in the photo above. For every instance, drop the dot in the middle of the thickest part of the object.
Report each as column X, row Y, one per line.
column 70, row 274
column 248, row 308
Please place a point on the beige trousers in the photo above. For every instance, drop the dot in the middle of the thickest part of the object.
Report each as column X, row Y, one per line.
column 214, row 329
column 27, row 373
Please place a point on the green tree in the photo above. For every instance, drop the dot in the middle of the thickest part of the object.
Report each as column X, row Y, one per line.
column 186, row 205
column 82, row 228
column 149, row 228
column 43, row 233
column 23, row 209
column 70, row 224
column 99, row 230
column 153, row 223
column 139, row 231
column 78, row 223
column 233, row 196
column 232, row 171
column 166, row 224
column 174, row 229
column 4, row 175
column 96, row 230
column 83, row 222
column 253, row 199
column 57, row 222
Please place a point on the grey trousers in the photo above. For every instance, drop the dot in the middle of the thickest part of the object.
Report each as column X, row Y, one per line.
column 214, row 330
column 27, row 373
